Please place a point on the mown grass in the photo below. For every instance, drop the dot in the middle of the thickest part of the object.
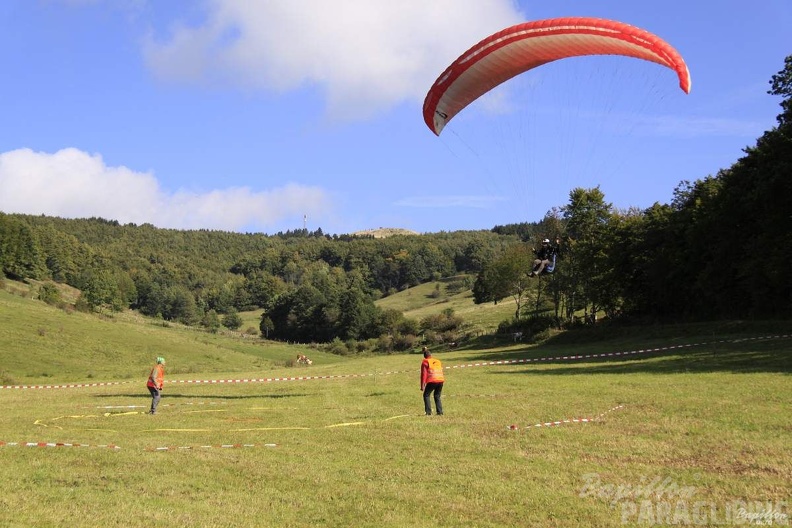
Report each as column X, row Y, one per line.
column 356, row 451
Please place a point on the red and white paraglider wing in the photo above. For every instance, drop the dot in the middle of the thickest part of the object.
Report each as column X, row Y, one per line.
column 519, row 48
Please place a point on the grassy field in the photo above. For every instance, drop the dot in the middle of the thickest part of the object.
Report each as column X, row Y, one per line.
column 433, row 297
column 704, row 430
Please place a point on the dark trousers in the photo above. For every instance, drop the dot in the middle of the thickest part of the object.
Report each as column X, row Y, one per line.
column 437, row 389
column 155, row 398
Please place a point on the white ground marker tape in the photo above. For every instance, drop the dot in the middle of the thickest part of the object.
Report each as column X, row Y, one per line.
column 147, row 406
column 221, row 446
column 514, row 427
column 115, row 447
column 56, row 444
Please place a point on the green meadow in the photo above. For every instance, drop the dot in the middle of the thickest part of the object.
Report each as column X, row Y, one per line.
column 698, row 431
column 433, row 297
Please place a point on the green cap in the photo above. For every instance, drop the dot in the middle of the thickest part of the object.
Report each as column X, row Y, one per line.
column 160, row 359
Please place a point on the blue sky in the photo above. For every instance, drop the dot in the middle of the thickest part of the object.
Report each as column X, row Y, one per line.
column 263, row 116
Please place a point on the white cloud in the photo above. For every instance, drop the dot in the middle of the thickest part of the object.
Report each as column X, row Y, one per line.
column 365, row 55
column 73, row 184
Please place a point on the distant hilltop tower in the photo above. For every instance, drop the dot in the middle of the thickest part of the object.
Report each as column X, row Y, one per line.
column 305, row 222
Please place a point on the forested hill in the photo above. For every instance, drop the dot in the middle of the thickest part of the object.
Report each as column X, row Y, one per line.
column 721, row 249
column 183, row 274
column 62, row 249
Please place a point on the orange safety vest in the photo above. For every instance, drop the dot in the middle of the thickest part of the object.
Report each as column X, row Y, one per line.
column 434, row 370
column 157, row 376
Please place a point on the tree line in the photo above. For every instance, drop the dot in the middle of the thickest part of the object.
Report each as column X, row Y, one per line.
column 720, row 249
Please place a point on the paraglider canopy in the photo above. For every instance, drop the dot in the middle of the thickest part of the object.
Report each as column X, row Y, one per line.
column 522, row 47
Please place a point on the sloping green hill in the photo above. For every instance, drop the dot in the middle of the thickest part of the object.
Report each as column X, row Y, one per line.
column 434, row 297
column 40, row 343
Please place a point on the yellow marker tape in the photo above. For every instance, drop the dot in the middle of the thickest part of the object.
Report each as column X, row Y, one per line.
column 271, row 429
column 343, row 425
column 394, row 417
column 38, row 422
column 179, row 430
column 76, row 416
column 206, row 411
column 107, row 414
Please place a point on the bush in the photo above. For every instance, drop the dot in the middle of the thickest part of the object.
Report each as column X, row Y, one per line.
column 458, row 286
column 449, row 337
column 408, row 326
column 385, row 343
column 50, row 294
column 81, row 305
column 530, row 327
column 211, row 321
column 232, row 320
column 7, row 379
column 442, row 322
column 432, row 338
column 436, row 292
column 338, row 347
column 368, row 345
column 402, row 342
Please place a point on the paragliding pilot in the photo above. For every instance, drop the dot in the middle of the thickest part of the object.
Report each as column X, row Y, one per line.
column 545, row 258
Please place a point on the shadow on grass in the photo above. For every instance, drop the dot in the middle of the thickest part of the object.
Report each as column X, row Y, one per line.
column 765, row 357
column 724, row 346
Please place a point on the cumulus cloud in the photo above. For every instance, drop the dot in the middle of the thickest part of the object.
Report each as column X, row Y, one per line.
column 364, row 55
column 73, row 184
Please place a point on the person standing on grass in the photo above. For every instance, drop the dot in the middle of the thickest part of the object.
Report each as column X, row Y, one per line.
column 432, row 380
column 155, row 381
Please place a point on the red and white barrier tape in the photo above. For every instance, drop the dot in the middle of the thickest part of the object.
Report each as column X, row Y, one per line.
column 113, row 446
column 271, row 380
column 468, row 365
column 55, row 444
column 479, row 396
column 199, row 382
column 67, row 386
column 566, row 421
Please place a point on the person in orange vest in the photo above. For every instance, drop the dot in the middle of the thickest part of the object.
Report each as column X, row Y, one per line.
column 155, row 381
column 432, row 380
